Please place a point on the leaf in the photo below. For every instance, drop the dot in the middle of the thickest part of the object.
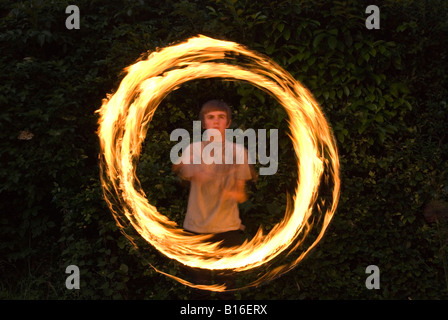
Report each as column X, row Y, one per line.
column 270, row 49
column 379, row 118
column 318, row 39
column 124, row 268
column 348, row 39
column 361, row 129
column 332, row 42
column 41, row 39
column 280, row 27
column 287, row 34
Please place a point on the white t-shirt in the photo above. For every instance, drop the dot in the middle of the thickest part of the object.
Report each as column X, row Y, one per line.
column 208, row 211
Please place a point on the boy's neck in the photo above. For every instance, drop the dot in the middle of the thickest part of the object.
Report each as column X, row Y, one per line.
column 216, row 138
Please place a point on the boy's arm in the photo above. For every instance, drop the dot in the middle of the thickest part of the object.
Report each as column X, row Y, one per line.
column 181, row 166
column 244, row 172
column 176, row 168
column 188, row 172
column 239, row 193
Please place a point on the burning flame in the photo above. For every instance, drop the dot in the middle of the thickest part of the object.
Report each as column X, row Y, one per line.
column 124, row 119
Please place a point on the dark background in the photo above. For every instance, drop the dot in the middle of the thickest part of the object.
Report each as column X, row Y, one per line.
column 384, row 93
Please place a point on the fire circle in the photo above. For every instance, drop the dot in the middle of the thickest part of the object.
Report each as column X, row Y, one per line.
column 123, row 123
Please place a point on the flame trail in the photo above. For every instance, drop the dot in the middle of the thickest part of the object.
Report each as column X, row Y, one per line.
column 124, row 119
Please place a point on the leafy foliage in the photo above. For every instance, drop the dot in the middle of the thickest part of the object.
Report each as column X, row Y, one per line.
column 384, row 92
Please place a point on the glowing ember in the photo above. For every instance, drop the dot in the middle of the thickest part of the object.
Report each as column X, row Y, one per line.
column 124, row 119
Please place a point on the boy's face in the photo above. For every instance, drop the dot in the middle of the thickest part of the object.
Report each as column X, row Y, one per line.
column 216, row 120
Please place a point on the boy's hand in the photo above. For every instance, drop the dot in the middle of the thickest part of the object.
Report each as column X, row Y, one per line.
column 176, row 168
column 238, row 194
column 239, row 197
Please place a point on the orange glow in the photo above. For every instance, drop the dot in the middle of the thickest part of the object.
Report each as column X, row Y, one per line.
column 124, row 118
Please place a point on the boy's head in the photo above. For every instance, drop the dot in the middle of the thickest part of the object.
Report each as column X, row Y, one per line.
column 215, row 105
column 215, row 114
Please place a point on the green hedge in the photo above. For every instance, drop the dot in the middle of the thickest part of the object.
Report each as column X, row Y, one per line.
column 384, row 93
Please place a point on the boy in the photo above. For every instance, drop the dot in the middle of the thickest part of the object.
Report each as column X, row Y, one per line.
column 216, row 187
